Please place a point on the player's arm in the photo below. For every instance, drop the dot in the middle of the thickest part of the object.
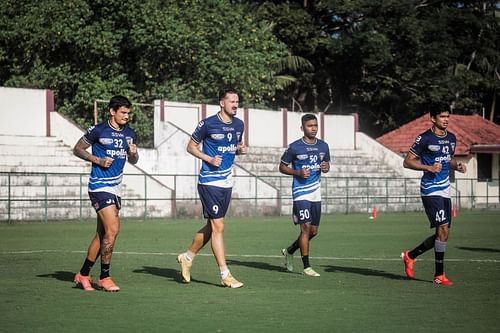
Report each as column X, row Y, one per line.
column 193, row 148
column 411, row 161
column 285, row 169
column 80, row 150
column 455, row 165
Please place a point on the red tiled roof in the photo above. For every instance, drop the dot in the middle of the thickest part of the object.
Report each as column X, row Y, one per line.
column 474, row 134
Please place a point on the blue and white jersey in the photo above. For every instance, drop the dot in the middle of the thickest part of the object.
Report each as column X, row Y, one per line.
column 431, row 148
column 303, row 155
column 110, row 142
column 219, row 138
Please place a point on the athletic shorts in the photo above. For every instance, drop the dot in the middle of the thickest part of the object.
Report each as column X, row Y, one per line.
column 306, row 212
column 438, row 210
column 102, row 200
column 215, row 200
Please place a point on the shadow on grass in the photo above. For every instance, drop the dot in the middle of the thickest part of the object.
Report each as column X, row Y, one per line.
column 368, row 272
column 478, row 249
column 169, row 273
column 256, row 264
column 59, row 275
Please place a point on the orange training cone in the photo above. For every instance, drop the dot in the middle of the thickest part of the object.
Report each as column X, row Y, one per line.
column 374, row 213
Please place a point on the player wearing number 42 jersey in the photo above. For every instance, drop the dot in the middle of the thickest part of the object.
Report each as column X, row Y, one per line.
column 305, row 160
column 221, row 135
column 433, row 153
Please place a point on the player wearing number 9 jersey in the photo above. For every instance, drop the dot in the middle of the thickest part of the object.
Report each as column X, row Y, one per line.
column 308, row 157
column 432, row 152
column 221, row 135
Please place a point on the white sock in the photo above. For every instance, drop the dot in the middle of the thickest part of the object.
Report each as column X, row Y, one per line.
column 189, row 256
column 224, row 273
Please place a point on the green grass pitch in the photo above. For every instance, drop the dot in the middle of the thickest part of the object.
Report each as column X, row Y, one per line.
column 362, row 287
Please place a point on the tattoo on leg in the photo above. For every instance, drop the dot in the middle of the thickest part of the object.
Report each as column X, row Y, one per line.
column 106, row 250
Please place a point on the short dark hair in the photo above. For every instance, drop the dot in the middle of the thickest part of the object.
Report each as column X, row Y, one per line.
column 436, row 108
column 227, row 90
column 307, row 117
column 118, row 101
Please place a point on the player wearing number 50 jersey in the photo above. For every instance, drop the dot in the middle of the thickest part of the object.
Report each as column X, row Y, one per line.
column 305, row 159
column 433, row 153
column 221, row 135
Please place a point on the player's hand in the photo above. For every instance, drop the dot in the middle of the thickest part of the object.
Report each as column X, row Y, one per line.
column 435, row 168
column 241, row 149
column 305, row 173
column 216, row 160
column 132, row 147
column 325, row 166
column 461, row 167
column 105, row 162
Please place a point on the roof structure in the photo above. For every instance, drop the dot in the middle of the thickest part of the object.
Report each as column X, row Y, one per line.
column 474, row 134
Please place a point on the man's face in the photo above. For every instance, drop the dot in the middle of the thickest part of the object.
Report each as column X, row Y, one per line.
column 310, row 128
column 120, row 116
column 441, row 120
column 229, row 104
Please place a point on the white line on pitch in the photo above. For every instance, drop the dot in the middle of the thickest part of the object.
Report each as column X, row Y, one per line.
column 243, row 256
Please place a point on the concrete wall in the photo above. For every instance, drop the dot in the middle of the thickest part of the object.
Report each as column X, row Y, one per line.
column 25, row 111
column 265, row 128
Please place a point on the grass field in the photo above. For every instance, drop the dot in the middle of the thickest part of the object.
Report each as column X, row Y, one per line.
column 361, row 289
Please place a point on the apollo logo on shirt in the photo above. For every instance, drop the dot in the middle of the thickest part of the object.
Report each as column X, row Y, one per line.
column 121, row 153
column 446, row 158
column 231, row 148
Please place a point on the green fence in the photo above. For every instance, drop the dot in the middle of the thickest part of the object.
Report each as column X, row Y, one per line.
column 53, row 196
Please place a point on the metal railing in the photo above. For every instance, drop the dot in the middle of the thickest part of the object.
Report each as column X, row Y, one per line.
column 52, row 196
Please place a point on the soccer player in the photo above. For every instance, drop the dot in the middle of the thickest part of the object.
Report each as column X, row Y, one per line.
column 221, row 135
column 308, row 157
column 433, row 153
column 113, row 143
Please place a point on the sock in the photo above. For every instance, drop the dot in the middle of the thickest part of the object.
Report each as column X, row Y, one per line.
column 439, row 250
column 86, row 267
column 305, row 261
column 224, row 273
column 189, row 255
column 104, row 271
column 422, row 248
column 295, row 245
column 292, row 248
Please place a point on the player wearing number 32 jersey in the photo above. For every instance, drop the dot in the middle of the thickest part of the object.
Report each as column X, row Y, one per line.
column 433, row 153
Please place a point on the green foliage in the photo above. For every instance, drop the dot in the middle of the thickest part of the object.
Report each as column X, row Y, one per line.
column 178, row 50
column 383, row 59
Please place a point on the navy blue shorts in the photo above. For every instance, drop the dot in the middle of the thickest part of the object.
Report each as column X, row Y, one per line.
column 215, row 200
column 102, row 200
column 438, row 210
column 306, row 212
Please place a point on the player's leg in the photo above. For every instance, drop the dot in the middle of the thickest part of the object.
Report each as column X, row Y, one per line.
column 443, row 223
column 227, row 280
column 304, row 212
column 185, row 259
column 409, row 257
column 83, row 278
column 111, row 227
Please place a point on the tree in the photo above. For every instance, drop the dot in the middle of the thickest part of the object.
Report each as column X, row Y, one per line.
column 179, row 50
